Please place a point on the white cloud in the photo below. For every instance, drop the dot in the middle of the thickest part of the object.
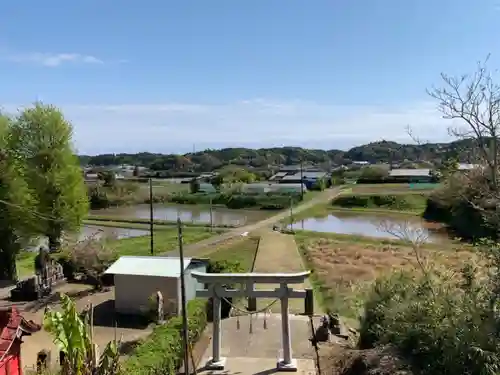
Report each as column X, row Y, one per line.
column 175, row 127
column 54, row 59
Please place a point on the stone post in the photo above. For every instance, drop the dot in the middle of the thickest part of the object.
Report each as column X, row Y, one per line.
column 287, row 363
column 216, row 363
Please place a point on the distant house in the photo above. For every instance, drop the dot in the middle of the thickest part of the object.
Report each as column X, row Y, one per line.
column 263, row 188
column 467, row 166
column 91, row 177
column 137, row 278
column 289, row 188
column 361, row 163
column 278, row 176
column 286, row 170
column 411, row 175
column 256, row 188
column 308, row 178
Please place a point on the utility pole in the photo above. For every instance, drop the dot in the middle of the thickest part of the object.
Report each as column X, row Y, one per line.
column 151, row 216
column 301, row 181
column 291, row 213
column 183, row 300
column 211, row 217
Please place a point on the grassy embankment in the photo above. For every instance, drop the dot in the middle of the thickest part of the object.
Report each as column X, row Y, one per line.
column 138, row 223
column 394, row 199
column 344, row 266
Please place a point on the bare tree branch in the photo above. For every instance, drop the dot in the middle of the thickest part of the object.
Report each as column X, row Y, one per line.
column 415, row 236
column 475, row 101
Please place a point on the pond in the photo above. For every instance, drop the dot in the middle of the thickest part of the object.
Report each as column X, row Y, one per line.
column 189, row 214
column 380, row 226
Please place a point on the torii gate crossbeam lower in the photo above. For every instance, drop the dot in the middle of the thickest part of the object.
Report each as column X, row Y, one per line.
column 216, row 291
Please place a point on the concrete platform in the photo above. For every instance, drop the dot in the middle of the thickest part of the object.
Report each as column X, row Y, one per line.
column 259, row 351
column 258, row 366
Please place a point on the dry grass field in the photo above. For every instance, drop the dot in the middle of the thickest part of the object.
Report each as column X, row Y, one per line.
column 345, row 266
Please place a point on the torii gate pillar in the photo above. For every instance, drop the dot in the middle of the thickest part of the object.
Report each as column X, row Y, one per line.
column 216, row 291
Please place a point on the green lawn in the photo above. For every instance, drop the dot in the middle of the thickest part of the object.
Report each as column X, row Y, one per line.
column 242, row 250
column 164, row 240
column 137, row 223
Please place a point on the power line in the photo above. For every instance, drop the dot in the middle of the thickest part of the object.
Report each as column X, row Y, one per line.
column 36, row 214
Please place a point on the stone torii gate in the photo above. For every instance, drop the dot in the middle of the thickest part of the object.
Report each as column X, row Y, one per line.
column 246, row 281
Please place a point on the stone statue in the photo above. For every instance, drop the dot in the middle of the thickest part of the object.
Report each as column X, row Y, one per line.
column 42, row 262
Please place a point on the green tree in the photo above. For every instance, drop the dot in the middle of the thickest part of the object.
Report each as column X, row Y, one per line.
column 374, row 173
column 108, row 177
column 15, row 203
column 449, row 166
column 194, row 186
column 319, row 185
column 43, row 142
column 217, row 181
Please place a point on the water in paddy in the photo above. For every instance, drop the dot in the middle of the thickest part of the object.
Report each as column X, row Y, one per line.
column 190, row 214
column 372, row 226
column 95, row 232
column 90, row 231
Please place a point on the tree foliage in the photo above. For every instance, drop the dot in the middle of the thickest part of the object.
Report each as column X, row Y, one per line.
column 16, row 219
column 470, row 203
column 42, row 141
column 262, row 159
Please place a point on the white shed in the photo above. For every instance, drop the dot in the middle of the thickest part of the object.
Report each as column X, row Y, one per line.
column 137, row 278
column 255, row 188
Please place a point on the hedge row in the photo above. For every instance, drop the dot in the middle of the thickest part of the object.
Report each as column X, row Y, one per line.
column 235, row 201
column 397, row 180
column 162, row 352
column 396, row 202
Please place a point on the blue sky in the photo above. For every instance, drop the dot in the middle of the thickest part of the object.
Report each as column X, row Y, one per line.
column 162, row 75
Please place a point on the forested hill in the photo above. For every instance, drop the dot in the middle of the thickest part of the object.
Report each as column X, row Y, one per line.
column 209, row 160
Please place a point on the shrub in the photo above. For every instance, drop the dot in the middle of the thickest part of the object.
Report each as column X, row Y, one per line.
column 118, row 194
column 466, row 206
column 162, row 352
column 394, row 202
column 98, row 197
column 90, row 257
column 374, row 172
column 442, row 324
column 224, row 266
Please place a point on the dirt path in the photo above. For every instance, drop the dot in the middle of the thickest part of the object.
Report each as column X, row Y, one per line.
column 278, row 252
column 191, row 250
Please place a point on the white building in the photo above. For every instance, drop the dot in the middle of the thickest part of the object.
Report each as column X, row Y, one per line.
column 137, row 278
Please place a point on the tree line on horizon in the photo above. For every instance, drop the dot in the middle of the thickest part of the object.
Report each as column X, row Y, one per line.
column 211, row 159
